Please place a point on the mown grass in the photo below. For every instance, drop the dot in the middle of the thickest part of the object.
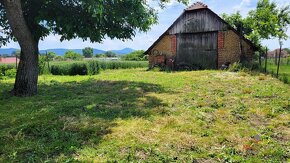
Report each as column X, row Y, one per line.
column 143, row 116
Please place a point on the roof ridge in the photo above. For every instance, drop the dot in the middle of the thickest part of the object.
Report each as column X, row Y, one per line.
column 196, row 5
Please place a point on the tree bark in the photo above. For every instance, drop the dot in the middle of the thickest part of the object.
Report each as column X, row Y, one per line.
column 27, row 73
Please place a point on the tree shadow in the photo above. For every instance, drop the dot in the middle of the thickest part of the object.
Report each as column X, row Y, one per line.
column 64, row 117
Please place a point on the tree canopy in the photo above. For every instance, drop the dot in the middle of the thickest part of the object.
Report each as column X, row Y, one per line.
column 265, row 22
column 86, row 19
column 88, row 52
column 28, row 21
column 72, row 55
column 137, row 55
column 110, row 54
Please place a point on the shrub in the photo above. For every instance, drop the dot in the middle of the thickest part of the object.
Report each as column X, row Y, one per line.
column 72, row 55
column 135, row 56
column 59, row 58
column 284, row 78
column 235, row 67
column 11, row 73
column 93, row 67
column 7, row 71
column 41, row 64
column 78, row 69
column 60, row 69
column 122, row 64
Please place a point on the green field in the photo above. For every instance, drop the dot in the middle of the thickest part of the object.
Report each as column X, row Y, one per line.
column 284, row 71
column 136, row 115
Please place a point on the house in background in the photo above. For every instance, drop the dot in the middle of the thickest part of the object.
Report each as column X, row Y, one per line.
column 275, row 53
column 8, row 60
column 199, row 38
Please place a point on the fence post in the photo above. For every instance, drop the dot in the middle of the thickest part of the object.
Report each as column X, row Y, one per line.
column 16, row 62
column 278, row 67
column 266, row 58
column 260, row 62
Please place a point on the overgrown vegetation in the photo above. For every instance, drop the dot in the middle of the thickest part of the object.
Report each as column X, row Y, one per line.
column 91, row 67
column 135, row 56
column 143, row 116
column 284, row 73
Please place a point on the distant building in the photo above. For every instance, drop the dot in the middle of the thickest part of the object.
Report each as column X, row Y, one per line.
column 200, row 38
column 8, row 60
column 275, row 54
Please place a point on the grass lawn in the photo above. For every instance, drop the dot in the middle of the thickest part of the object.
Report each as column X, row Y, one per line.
column 136, row 115
column 284, row 71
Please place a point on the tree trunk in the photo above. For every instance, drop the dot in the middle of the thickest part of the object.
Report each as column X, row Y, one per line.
column 27, row 73
column 276, row 57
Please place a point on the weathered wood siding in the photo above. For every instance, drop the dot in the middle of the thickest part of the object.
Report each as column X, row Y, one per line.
column 198, row 21
column 197, row 50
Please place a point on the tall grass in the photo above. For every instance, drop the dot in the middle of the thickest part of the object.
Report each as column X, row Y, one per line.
column 284, row 71
column 91, row 67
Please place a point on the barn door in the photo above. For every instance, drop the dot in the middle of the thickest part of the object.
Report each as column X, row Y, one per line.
column 197, row 50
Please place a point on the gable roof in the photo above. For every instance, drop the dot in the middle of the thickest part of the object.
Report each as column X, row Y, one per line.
column 198, row 6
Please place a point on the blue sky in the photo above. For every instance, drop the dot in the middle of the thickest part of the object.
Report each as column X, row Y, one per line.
column 166, row 18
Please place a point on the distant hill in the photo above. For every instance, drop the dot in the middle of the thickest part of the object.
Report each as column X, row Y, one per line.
column 8, row 51
column 123, row 51
column 61, row 52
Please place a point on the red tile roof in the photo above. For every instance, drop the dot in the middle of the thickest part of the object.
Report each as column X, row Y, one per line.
column 8, row 60
column 197, row 5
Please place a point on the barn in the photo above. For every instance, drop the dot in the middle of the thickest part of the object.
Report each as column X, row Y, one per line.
column 199, row 39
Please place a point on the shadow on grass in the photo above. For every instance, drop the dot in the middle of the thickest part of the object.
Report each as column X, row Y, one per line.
column 63, row 117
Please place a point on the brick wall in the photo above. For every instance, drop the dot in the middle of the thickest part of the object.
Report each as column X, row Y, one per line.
column 158, row 59
column 229, row 48
column 166, row 47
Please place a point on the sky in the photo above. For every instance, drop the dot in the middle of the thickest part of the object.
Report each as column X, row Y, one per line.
column 166, row 17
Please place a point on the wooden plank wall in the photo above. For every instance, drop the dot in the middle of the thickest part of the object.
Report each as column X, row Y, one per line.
column 198, row 21
column 198, row 50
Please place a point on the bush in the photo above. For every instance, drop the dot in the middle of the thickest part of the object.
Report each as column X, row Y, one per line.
column 135, row 56
column 93, row 67
column 11, row 73
column 60, row 69
column 73, row 55
column 41, row 64
column 245, row 67
column 284, row 78
column 78, row 69
column 122, row 64
column 235, row 67
column 59, row 58
column 7, row 71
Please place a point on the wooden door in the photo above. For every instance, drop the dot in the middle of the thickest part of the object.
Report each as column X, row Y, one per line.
column 197, row 50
